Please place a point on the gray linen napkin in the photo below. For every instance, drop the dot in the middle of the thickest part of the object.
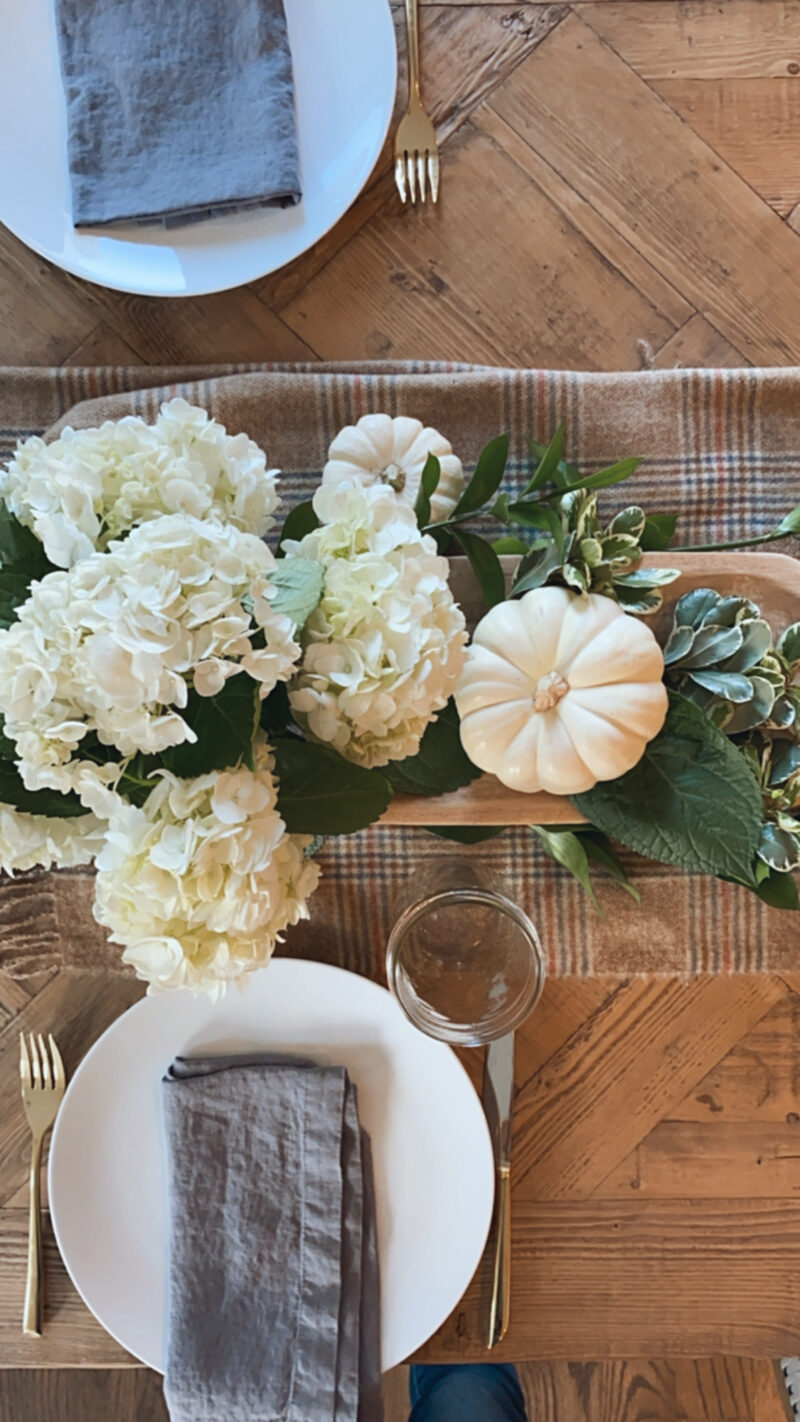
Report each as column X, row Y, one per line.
column 178, row 111
column 273, row 1276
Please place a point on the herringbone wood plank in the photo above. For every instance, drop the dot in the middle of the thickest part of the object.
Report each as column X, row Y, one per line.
column 615, row 173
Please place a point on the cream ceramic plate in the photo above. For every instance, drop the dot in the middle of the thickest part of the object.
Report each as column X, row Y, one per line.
column 345, row 67
column 434, row 1173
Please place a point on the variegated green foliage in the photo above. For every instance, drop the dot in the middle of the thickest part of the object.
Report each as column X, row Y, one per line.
column 776, row 765
column 720, row 655
column 593, row 558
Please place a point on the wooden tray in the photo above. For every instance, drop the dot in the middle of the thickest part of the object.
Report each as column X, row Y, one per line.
column 772, row 580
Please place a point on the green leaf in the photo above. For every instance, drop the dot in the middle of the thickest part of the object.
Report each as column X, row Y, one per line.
column 428, row 484
column 487, row 478
column 785, row 761
column 712, row 645
column 658, row 532
column 694, row 606
column 564, row 846
column 779, row 890
column 630, row 521
column 575, row 578
column 319, row 792
column 485, row 565
column 509, row 545
column 36, row 802
column 756, row 642
column 276, row 713
column 677, row 644
column 299, row 582
column 691, row 801
column 640, row 601
column 533, row 515
column 754, row 712
column 791, row 522
column 549, row 461
column 440, row 765
column 732, row 685
column 20, row 548
column 647, row 577
column 789, row 643
column 224, row 725
column 467, row 834
column 535, row 569
column 299, row 521
column 779, row 848
column 14, row 589
column 604, row 478
column 599, row 848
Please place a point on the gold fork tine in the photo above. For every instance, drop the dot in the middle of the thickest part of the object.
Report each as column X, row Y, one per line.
column 412, row 178
column 433, row 175
column 400, row 176
column 37, row 1069
column 421, row 175
column 24, row 1061
column 47, row 1074
column 58, row 1065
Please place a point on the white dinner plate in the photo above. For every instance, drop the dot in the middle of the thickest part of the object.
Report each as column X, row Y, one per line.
column 434, row 1173
column 345, row 69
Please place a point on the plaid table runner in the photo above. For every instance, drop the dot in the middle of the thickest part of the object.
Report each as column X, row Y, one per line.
column 721, row 447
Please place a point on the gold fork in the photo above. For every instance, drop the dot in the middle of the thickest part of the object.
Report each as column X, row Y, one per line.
column 416, row 155
column 42, row 1072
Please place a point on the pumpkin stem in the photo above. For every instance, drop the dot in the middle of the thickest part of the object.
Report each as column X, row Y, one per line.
column 394, row 477
column 549, row 691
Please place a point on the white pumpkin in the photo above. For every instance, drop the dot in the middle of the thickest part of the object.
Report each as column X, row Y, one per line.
column 380, row 449
column 559, row 691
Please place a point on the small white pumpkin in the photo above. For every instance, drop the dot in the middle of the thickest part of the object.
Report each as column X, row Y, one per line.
column 559, row 691
column 383, row 450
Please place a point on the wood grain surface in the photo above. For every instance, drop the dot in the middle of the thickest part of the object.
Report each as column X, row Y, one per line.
column 620, row 190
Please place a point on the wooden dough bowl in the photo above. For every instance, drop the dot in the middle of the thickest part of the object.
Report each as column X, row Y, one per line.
column 771, row 580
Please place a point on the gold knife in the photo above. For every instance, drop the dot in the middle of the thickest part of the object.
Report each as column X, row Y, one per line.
column 498, row 1095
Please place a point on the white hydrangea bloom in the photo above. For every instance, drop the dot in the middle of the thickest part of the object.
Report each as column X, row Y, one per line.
column 28, row 841
column 385, row 646
column 200, row 884
column 89, row 486
column 113, row 645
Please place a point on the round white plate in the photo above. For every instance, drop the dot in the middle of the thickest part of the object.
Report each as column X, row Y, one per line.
column 345, row 69
column 434, row 1174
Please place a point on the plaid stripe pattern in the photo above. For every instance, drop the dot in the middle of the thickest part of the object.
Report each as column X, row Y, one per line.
column 721, row 448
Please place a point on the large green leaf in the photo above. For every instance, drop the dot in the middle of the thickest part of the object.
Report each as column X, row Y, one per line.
column 319, row 792
column 779, row 890
column 299, row 582
column 691, row 801
column 485, row 565
column 35, row 802
column 487, row 478
column 299, row 521
column 604, row 478
column 535, row 568
column 441, row 763
column 22, row 561
column 224, row 725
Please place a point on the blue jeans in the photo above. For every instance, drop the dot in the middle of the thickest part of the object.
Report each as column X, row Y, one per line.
column 477, row 1392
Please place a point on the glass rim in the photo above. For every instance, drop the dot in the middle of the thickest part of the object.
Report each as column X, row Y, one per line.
column 465, row 1034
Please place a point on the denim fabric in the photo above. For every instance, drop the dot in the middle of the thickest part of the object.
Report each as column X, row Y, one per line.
column 478, row 1392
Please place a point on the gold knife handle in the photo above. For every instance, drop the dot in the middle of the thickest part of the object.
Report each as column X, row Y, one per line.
column 32, row 1316
column 501, row 1279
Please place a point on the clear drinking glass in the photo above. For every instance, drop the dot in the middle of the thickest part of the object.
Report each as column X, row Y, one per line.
column 463, row 960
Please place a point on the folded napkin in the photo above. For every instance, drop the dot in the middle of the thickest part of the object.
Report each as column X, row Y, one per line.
column 176, row 112
column 273, row 1277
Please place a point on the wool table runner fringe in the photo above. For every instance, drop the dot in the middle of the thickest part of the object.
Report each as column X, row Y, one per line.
column 720, row 447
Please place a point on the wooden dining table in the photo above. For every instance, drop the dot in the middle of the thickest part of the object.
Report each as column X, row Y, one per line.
column 620, row 191
column 656, row 1175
